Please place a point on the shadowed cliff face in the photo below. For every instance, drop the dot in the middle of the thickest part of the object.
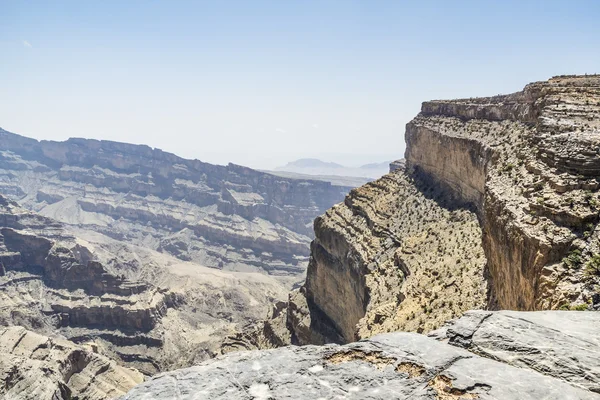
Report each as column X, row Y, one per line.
column 496, row 208
column 227, row 217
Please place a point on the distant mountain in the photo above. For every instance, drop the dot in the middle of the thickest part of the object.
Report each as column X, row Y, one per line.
column 316, row 167
column 337, row 180
column 311, row 163
column 381, row 165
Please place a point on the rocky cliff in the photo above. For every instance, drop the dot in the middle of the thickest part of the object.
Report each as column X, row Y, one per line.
column 38, row 367
column 175, row 314
column 483, row 355
column 496, row 207
column 228, row 217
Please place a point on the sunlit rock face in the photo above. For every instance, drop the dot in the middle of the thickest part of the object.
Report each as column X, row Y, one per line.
column 496, row 206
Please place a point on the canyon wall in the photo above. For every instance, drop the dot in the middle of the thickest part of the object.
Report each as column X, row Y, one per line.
column 61, row 286
column 496, row 207
column 227, row 217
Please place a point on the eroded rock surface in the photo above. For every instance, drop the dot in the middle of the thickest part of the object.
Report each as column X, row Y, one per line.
column 164, row 314
column 394, row 365
column 35, row 367
column 562, row 344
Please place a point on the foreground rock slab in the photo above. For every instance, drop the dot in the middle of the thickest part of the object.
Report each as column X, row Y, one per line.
column 388, row 366
column 562, row 344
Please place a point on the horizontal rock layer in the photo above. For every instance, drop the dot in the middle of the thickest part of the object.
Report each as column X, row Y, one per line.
column 497, row 207
column 227, row 217
column 35, row 367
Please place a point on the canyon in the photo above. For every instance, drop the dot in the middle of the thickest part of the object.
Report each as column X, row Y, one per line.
column 228, row 217
column 470, row 271
column 145, row 258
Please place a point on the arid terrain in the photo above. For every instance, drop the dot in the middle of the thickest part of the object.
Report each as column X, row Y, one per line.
column 470, row 271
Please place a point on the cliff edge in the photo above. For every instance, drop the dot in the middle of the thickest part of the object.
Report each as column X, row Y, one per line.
column 496, row 207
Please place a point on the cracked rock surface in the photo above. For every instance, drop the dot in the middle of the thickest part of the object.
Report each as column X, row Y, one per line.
column 562, row 344
column 387, row 366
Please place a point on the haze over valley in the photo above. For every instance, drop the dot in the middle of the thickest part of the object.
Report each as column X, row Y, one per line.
column 300, row 200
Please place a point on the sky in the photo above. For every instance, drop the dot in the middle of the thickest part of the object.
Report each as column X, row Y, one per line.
column 261, row 83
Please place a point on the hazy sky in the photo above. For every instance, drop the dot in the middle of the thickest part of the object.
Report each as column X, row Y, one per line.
column 261, row 83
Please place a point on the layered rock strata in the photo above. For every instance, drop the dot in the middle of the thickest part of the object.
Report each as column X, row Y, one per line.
column 50, row 282
column 56, row 283
column 497, row 207
column 35, row 367
column 228, row 217
column 409, row 366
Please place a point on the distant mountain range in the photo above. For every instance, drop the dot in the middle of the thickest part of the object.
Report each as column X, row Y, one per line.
column 314, row 166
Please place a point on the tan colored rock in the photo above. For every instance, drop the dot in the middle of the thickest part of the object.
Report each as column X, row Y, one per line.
column 497, row 208
column 37, row 367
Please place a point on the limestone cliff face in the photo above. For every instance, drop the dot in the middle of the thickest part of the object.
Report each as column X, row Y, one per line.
column 497, row 207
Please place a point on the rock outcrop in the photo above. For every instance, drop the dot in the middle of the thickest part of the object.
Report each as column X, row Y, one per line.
column 35, row 367
column 495, row 207
column 177, row 313
column 410, row 366
column 228, row 217
column 561, row 344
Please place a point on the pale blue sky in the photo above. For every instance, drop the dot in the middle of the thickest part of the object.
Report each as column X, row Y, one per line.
column 264, row 82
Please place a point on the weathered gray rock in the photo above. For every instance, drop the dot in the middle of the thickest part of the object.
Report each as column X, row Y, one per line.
column 562, row 344
column 388, row 366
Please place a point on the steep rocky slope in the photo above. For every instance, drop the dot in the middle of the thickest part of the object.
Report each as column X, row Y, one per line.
column 173, row 314
column 496, row 207
column 37, row 367
column 227, row 217
column 508, row 365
